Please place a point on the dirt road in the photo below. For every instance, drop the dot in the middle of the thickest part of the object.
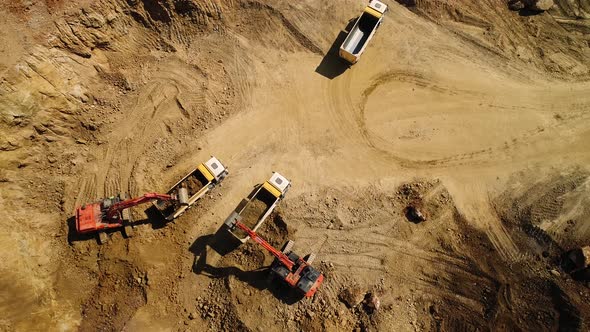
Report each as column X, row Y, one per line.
column 480, row 114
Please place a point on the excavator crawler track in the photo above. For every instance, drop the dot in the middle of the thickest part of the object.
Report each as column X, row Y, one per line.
column 288, row 247
column 310, row 258
column 103, row 238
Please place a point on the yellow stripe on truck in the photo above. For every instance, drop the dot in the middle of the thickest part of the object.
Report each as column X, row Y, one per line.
column 206, row 172
column 373, row 12
column 270, row 188
column 347, row 56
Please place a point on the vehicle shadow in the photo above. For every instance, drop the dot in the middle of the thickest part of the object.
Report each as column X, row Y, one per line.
column 154, row 218
column 529, row 12
column 222, row 243
column 572, row 263
column 332, row 65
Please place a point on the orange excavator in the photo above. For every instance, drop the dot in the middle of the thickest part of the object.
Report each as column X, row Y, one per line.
column 296, row 271
column 113, row 212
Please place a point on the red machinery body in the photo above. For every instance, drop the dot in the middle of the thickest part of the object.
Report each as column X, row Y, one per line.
column 294, row 270
column 108, row 213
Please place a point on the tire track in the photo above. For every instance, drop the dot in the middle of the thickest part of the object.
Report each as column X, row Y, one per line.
column 576, row 119
column 293, row 30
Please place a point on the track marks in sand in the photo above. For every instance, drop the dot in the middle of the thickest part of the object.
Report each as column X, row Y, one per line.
column 168, row 99
column 427, row 122
column 552, row 211
column 272, row 23
column 87, row 192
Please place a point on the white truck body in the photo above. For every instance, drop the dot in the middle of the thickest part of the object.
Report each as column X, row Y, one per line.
column 271, row 193
column 362, row 32
column 208, row 174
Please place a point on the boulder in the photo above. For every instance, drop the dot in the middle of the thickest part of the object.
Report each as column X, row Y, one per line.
column 352, row 296
column 373, row 303
column 516, row 5
column 577, row 259
column 540, row 5
column 536, row 5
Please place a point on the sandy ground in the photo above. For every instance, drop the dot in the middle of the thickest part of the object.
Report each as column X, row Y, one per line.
column 478, row 115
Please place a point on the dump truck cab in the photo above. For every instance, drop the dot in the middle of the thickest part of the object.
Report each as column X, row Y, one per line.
column 217, row 171
column 254, row 210
column 362, row 32
column 278, row 185
column 198, row 182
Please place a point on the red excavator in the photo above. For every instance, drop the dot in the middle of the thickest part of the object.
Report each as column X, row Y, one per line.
column 113, row 212
column 296, row 271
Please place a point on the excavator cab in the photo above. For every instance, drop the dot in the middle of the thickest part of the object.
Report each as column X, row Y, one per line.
column 303, row 276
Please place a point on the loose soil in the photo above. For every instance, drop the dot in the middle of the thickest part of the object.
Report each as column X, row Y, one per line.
column 194, row 183
column 251, row 214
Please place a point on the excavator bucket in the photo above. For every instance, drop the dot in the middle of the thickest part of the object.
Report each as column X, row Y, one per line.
column 232, row 220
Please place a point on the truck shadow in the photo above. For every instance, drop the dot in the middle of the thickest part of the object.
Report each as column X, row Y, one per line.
column 332, row 65
column 222, row 243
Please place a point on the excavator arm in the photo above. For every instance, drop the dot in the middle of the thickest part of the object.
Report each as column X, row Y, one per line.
column 116, row 208
column 278, row 254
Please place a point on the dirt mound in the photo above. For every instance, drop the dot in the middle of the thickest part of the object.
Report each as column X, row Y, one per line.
column 116, row 298
column 575, row 9
column 216, row 308
column 534, row 39
column 552, row 210
column 463, row 284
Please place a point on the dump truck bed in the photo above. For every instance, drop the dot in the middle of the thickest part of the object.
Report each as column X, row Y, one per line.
column 362, row 31
column 255, row 210
column 198, row 183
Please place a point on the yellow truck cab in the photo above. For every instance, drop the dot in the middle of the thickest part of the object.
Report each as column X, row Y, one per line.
column 364, row 29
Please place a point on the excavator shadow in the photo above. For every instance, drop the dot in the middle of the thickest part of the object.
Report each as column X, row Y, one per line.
column 154, row 218
column 332, row 65
column 208, row 249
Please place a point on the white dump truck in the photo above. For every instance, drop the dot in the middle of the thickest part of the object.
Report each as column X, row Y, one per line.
column 198, row 182
column 254, row 210
column 355, row 43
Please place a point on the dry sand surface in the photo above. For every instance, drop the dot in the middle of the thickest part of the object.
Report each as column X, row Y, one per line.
column 476, row 115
